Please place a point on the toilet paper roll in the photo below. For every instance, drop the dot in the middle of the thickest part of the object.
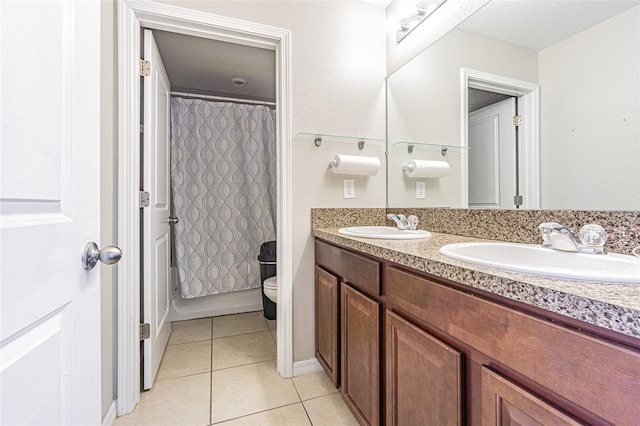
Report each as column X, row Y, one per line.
column 355, row 165
column 427, row 168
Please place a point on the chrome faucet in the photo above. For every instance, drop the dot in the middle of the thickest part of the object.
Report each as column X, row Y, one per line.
column 406, row 223
column 559, row 237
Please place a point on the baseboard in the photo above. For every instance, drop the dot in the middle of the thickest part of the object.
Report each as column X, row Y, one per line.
column 306, row 367
column 111, row 415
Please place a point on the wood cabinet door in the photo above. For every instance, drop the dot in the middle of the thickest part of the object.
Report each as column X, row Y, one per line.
column 505, row 403
column 327, row 293
column 423, row 377
column 360, row 381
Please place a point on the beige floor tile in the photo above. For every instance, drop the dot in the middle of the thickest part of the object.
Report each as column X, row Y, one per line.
column 249, row 389
column 329, row 410
column 231, row 325
column 272, row 324
column 290, row 415
column 313, row 385
column 190, row 331
column 183, row 401
column 243, row 349
column 185, row 359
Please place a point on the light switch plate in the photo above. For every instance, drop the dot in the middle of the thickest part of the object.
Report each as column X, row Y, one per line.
column 420, row 190
column 349, row 187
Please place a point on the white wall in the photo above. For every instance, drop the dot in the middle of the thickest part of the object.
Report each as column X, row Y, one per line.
column 425, row 105
column 338, row 70
column 589, row 116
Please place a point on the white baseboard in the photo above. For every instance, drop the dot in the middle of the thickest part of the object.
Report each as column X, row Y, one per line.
column 111, row 415
column 306, row 367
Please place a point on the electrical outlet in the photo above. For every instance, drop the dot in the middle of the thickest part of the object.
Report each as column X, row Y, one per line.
column 349, row 188
column 420, row 190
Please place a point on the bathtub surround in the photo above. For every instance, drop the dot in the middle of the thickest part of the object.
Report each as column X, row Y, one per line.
column 518, row 226
column 223, row 178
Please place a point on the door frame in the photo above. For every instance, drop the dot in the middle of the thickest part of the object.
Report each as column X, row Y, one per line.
column 132, row 16
column 528, row 95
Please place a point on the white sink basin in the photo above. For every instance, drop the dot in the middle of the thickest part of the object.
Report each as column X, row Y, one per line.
column 536, row 260
column 383, row 232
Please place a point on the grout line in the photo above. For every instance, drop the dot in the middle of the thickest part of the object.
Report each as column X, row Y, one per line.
column 244, row 365
column 258, row 412
column 241, row 334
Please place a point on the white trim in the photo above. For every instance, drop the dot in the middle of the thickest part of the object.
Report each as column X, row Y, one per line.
column 300, row 368
column 529, row 109
column 110, row 417
column 128, row 367
column 132, row 15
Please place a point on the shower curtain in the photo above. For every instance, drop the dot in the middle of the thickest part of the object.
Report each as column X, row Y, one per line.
column 223, row 177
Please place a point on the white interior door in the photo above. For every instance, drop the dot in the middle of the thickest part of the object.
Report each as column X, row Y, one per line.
column 156, row 232
column 49, row 209
column 492, row 156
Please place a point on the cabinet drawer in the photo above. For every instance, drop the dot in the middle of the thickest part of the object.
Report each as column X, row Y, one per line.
column 359, row 271
column 566, row 362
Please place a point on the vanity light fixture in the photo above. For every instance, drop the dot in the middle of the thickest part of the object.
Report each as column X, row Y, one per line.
column 419, row 13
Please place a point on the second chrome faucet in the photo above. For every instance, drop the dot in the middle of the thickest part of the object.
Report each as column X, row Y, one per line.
column 559, row 237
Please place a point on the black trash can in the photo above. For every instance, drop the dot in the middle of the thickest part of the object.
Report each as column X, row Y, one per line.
column 267, row 260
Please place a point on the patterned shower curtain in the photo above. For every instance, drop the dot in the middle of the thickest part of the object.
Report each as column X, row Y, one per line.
column 223, row 177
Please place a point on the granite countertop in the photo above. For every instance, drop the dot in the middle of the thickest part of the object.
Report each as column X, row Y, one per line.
column 612, row 306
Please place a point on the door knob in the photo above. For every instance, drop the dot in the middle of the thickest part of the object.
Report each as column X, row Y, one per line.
column 91, row 254
column 172, row 220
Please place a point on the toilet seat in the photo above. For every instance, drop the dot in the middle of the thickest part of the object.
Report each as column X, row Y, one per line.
column 271, row 288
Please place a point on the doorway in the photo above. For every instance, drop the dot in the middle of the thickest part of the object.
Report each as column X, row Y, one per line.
column 528, row 156
column 493, row 151
column 209, row 167
column 132, row 17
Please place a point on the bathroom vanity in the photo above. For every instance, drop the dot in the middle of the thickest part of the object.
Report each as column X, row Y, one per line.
column 412, row 337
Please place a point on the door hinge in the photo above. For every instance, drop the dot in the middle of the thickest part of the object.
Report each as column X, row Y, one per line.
column 144, row 199
column 145, row 331
column 517, row 120
column 145, row 68
column 517, row 200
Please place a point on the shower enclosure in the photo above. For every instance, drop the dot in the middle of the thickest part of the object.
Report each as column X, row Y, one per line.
column 223, row 177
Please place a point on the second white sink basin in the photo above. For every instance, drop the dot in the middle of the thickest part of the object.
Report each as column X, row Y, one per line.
column 383, row 232
column 536, row 260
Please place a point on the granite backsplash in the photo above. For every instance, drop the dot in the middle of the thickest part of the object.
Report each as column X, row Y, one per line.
column 519, row 226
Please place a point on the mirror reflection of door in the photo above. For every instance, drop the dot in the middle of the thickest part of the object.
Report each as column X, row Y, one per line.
column 493, row 165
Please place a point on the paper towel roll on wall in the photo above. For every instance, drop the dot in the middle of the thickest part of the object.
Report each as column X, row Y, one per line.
column 355, row 165
column 426, row 168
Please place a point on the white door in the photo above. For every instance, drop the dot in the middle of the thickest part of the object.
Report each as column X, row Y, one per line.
column 156, row 234
column 492, row 156
column 49, row 209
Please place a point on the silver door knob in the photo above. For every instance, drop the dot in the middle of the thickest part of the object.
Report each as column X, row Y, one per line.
column 91, row 254
column 172, row 220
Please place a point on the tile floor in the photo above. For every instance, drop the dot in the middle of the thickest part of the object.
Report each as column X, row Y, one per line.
column 222, row 371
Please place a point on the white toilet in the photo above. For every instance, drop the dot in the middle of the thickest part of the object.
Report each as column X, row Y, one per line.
column 271, row 288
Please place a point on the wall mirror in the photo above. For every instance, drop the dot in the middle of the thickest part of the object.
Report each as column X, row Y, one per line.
column 569, row 70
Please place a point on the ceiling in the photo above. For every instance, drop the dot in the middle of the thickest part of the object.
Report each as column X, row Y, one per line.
column 537, row 24
column 205, row 66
